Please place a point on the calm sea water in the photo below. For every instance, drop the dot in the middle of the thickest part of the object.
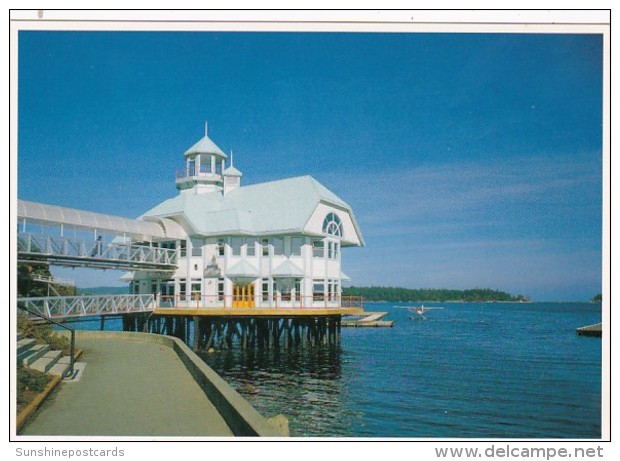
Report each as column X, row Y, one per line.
column 471, row 370
column 468, row 371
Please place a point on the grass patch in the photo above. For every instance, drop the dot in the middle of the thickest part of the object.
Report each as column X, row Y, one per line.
column 30, row 383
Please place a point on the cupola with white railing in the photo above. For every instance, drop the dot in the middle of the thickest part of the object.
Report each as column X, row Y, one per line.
column 204, row 167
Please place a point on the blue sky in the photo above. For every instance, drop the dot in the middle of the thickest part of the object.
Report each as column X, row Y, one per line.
column 470, row 160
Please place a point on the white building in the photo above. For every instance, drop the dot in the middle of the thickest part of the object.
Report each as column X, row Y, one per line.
column 275, row 244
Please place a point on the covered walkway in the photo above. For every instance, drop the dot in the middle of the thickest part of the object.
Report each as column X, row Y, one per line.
column 71, row 237
column 128, row 388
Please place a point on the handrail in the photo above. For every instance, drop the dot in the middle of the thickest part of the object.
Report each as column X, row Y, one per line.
column 68, row 249
column 70, row 370
column 83, row 305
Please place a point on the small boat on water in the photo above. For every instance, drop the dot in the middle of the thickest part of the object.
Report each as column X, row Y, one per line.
column 419, row 311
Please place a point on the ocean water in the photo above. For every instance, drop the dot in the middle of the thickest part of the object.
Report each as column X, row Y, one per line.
column 468, row 371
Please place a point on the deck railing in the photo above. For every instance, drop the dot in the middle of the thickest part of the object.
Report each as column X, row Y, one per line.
column 205, row 170
column 62, row 307
column 257, row 301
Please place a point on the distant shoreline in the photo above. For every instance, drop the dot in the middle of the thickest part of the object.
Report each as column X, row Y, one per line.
column 400, row 294
column 100, row 290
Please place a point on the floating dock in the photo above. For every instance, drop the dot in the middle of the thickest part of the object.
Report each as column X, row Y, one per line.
column 369, row 319
column 591, row 330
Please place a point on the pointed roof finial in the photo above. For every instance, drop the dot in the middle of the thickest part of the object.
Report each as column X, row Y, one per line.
column 206, row 128
column 231, row 158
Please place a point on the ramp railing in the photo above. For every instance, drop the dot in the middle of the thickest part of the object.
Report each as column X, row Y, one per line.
column 36, row 247
column 62, row 307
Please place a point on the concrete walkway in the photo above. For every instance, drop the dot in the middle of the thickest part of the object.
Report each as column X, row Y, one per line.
column 128, row 388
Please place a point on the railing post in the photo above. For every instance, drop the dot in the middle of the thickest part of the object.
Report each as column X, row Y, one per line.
column 72, row 352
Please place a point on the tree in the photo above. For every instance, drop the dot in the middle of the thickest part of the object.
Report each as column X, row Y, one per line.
column 27, row 287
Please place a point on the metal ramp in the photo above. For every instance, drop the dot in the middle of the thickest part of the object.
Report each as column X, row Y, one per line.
column 63, row 307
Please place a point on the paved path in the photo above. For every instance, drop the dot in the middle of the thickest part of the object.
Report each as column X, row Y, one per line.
column 128, row 389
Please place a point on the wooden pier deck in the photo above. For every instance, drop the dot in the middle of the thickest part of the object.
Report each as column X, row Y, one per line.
column 591, row 330
column 369, row 319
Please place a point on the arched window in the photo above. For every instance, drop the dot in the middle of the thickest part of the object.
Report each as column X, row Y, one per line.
column 332, row 225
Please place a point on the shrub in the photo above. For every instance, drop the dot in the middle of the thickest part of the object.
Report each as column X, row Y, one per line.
column 29, row 383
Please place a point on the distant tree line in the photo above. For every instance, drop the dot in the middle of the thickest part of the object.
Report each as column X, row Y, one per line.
column 375, row 293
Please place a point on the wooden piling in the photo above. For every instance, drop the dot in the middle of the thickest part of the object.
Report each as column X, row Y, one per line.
column 227, row 332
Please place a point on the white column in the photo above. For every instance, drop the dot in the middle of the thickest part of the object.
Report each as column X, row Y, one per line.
column 308, row 271
column 228, row 291
column 188, row 274
column 258, row 291
column 213, row 164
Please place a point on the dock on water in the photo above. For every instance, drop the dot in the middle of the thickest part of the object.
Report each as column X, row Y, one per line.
column 591, row 330
column 369, row 319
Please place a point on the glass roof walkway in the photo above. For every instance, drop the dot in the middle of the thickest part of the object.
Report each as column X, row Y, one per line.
column 70, row 237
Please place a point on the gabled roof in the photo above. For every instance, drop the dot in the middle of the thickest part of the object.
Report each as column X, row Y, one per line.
column 283, row 206
column 232, row 171
column 287, row 269
column 242, row 269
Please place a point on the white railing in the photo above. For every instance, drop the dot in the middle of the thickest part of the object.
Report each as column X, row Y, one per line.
column 205, row 170
column 60, row 307
column 252, row 301
column 95, row 251
column 52, row 280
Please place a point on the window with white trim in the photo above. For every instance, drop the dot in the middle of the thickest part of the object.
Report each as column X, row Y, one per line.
column 296, row 243
column 265, row 244
column 196, row 289
column 318, row 248
column 318, row 290
column 332, row 225
column 278, row 246
column 182, row 289
column 265, row 289
column 250, row 247
column 298, row 289
column 220, row 289
column 235, row 244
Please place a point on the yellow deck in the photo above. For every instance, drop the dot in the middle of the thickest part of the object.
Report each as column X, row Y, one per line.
column 259, row 312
